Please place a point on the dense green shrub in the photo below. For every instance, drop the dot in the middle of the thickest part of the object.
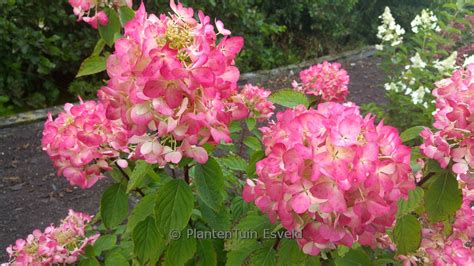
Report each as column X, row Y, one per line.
column 42, row 45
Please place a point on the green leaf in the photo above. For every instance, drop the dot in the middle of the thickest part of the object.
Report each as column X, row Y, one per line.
column 109, row 31
column 290, row 253
column 415, row 198
column 289, row 98
column 264, row 256
column 216, row 219
column 206, row 252
column 103, row 243
column 92, row 261
column 114, row 205
column 180, row 251
column 234, row 162
column 209, row 182
column 251, row 122
column 147, row 240
column 238, row 208
column 407, row 234
column 254, row 158
column 236, row 257
column 411, row 133
column 126, row 14
column 99, row 47
column 116, row 259
column 443, row 197
column 92, row 65
column 142, row 210
column 354, row 257
column 253, row 143
column 174, row 206
column 139, row 175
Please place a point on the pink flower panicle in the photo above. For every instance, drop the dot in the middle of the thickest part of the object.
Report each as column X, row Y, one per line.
column 55, row 245
column 442, row 246
column 81, row 140
column 453, row 142
column 327, row 80
column 332, row 174
column 88, row 10
column 171, row 85
column 255, row 99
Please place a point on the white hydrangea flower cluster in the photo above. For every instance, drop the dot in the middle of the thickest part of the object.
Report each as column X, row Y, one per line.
column 416, row 62
column 447, row 65
column 417, row 95
column 389, row 32
column 425, row 21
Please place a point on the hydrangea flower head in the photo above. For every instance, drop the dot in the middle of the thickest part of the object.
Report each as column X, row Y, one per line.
column 256, row 100
column 327, row 80
column 454, row 139
column 81, row 140
column 172, row 84
column 55, row 245
column 331, row 174
column 389, row 32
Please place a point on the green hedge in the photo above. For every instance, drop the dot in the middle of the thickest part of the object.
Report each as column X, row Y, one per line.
column 42, row 45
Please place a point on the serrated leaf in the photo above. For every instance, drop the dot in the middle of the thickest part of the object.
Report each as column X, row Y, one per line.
column 206, row 253
column 443, row 196
column 209, row 182
column 89, row 262
column 253, row 143
column 234, row 162
column 236, row 257
column 112, row 29
column 148, row 241
column 114, row 205
column 126, row 14
column 139, row 175
column 103, row 243
column 217, row 220
column 355, row 257
column 407, row 234
column 116, row 259
column 415, row 198
column 289, row 98
column 174, row 206
column 180, row 251
column 92, row 65
column 265, row 255
column 142, row 210
column 411, row 133
column 238, row 208
column 289, row 253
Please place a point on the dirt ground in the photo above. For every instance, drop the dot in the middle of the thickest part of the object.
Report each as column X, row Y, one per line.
column 32, row 196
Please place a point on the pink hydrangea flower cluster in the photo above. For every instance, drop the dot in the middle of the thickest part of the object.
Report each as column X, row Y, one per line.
column 454, row 140
column 327, row 80
column 332, row 174
column 171, row 84
column 87, row 10
column 55, row 245
column 256, row 100
column 454, row 248
column 81, row 141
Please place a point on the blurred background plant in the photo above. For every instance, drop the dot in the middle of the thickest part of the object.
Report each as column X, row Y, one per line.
column 436, row 42
column 42, row 45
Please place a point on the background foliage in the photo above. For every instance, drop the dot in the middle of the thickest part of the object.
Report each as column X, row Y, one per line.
column 42, row 46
